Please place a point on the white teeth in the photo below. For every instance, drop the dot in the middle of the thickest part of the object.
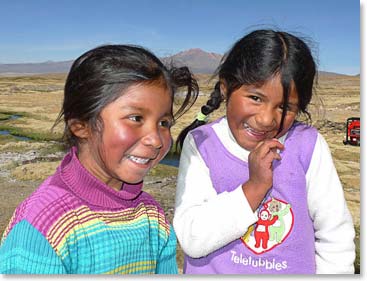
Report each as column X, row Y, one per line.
column 248, row 128
column 138, row 159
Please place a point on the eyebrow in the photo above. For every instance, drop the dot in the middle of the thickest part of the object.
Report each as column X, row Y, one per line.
column 133, row 107
column 260, row 93
column 144, row 109
column 254, row 91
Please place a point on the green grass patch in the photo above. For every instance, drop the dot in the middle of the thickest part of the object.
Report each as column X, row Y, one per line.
column 9, row 113
column 4, row 139
column 52, row 148
column 11, row 126
column 24, row 115
column 37, row 136
column 4, row 116
column 163, row 171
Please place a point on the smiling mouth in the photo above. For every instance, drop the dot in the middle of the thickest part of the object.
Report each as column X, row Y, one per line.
column 138, row 160
column 254, row 132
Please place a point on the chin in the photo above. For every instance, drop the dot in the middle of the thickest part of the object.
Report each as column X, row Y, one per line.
column 248, row 145
column 133, row 180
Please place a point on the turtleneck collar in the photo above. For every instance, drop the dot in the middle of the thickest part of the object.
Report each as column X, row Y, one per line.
column 89, row 188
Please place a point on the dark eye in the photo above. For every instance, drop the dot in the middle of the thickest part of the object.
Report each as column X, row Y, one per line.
column 136, row 118
column 282, row 107
column 255, row 98
column 289, row 108
column 166, row 123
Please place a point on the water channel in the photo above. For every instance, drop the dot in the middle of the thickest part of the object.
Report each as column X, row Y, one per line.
column 7, row 133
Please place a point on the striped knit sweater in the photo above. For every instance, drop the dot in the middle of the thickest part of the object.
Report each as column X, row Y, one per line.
column 73, row 223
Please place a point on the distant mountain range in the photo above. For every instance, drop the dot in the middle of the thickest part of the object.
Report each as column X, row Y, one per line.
column 197, row 60
column 36, row 68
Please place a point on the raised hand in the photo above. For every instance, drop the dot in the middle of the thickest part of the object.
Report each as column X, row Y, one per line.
column 261, row 170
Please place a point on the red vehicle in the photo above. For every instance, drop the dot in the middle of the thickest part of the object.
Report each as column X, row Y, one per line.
column 352, row 132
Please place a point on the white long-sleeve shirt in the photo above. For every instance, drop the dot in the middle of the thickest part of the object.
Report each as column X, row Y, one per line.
column 205, row 221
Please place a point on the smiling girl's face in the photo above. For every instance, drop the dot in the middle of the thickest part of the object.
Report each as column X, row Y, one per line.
column 254, row 113
column 135, row 135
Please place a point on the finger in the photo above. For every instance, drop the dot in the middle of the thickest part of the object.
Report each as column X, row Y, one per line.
column 271, row 156
column 258, row 145
column 269, row 145
column 276, row 154
column 275, row 143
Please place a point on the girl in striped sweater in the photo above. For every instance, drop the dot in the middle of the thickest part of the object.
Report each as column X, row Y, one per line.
column 92, row 216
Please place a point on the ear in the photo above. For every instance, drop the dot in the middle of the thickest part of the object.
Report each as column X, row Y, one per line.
column 223, row 89
column 79, row 128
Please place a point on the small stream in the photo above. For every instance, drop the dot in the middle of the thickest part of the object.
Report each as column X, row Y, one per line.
column 7, row 133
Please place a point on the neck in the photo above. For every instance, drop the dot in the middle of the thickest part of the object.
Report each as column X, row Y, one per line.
column 89, row 187
column 92, row 163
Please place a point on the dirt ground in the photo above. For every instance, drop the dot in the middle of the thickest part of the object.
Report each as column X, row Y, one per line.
column 24, row 164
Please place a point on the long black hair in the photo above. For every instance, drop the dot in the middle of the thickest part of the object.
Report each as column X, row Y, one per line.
column 256, row 58
column 100, row 76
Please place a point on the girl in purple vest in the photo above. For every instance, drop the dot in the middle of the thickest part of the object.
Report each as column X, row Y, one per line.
column 257, row 190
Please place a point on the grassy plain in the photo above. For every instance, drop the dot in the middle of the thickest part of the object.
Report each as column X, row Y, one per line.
column 37, row 100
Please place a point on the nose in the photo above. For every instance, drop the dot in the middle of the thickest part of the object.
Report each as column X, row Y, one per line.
column 153, row 138
column 266, row 118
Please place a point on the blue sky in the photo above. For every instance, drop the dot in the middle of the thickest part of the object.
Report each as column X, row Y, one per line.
column 42, row 30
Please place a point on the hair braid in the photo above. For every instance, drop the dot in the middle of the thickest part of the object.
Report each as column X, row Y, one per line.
column 212, row 104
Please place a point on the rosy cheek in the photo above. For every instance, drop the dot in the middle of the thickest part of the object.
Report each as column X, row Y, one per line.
column 128, row 137
column 121, row 136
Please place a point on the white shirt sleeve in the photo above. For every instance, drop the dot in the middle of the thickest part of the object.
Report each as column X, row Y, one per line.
column 205, row 221
column 333, row 224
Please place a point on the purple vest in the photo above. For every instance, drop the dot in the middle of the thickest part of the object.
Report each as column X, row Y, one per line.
column 282, row 241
